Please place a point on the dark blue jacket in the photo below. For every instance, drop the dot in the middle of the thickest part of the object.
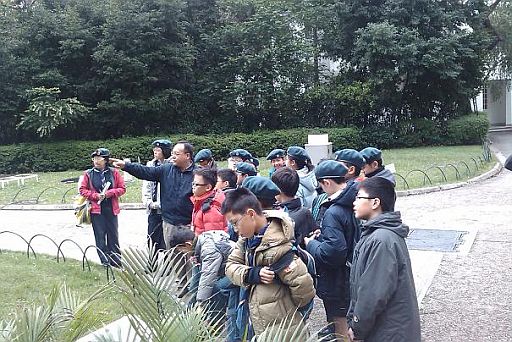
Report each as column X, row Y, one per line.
column 175, row 189
column 335, row 242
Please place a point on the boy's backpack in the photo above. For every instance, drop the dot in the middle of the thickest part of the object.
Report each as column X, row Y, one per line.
column 309, row 261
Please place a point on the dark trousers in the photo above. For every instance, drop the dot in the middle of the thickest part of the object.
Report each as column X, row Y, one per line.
column 107, row 237
column 223, row 303
column 155, row 230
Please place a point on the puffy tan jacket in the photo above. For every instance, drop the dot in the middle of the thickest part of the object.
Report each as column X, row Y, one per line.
column 115, row 191
column 210, row 219
column 269, row 303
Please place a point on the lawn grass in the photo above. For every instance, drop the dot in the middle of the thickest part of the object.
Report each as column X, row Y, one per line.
column 51, row 190
column 468, row 160
column 25, row 282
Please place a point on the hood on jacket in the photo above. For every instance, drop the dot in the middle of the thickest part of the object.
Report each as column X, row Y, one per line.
column 293, row 205
column 307, row 179
column 390, row 220
column 273, row 232
column 219, row 237
column 383, row 173
column 348, row 195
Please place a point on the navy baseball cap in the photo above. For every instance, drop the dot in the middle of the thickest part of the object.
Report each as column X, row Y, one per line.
column 246, row 169
column 101, row 152
column 241, row 153
column 330, row 169
column 261, row 187
column 204, row 154
column 277, row 153
column 298, row 152
column 350, row 156
column 371, row 154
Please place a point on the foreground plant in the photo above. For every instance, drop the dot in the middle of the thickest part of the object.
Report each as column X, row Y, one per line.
column 150, row 285
column 63, row 317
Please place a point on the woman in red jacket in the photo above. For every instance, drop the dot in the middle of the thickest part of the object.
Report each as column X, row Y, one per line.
column 207, row 202
column 103, row 186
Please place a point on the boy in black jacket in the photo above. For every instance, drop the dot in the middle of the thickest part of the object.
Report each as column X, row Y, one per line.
column 332, row 244
column 287, row 180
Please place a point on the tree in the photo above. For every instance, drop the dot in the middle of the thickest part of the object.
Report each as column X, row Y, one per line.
column 265, row 64
column 501, row 21
column 46, row 112
column 422, row 58
column 143, row 67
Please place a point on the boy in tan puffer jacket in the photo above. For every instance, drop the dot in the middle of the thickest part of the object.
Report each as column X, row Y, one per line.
column 265, row 236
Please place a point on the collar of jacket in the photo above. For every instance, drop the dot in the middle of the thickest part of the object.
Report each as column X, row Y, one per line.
column 279, row 231
column 292, row 205
column 203, row 197
column 375, row 172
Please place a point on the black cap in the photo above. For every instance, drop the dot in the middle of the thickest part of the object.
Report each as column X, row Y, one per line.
column 101, row 152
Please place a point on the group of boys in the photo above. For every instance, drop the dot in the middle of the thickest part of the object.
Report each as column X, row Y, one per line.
column 245, row 225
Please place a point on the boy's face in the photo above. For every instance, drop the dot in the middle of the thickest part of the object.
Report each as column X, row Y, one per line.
column 158, row 153
column 278, row 162
column 203, row 163
column 220, row 185
column 371, row 167
column 199, row 186
column 365, row 207
column 351, row 173
column 290, row 162
column 240, row 178
column 244, row 224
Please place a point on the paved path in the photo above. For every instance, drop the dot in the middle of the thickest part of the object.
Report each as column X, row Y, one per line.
column 469, row 298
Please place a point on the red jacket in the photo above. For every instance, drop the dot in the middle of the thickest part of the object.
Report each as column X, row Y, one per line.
column 117, row 190
column 211, row 219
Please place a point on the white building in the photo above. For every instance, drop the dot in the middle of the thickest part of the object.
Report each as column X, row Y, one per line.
column 496, row 101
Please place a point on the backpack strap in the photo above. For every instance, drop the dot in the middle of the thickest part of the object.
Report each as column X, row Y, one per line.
column 283, row 262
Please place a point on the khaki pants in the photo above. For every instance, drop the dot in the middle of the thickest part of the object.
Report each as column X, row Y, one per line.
column 169, row 232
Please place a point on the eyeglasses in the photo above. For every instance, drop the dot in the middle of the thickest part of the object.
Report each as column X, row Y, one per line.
column 176, row 153
column 198, row 184
column 365, row 197
column 235, row 224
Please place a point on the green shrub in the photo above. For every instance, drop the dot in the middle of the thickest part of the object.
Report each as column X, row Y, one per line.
column 467, row 129
column 75, row 155
column 419, row 132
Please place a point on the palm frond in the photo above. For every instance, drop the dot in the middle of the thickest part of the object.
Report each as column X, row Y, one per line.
column 152, row 284
column 288, row 330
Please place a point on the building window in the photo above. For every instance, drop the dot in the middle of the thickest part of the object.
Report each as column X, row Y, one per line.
column 485, row 97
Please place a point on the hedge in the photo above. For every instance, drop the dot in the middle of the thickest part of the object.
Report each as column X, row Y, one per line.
column 74, row 155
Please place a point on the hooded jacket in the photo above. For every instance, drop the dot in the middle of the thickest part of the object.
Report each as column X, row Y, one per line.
column 307, row 187
column 383, row 173
column 207, row 216
column 212, row 251
column 304, row 223
column 149, row 187
column 175, row 189
column 383, row 304
column 269, row 303
column 335, row 243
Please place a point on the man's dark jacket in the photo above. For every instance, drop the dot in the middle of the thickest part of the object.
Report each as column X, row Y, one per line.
column 304, row 223
column 383, row 304
column 175, row 189
column 331, row 248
